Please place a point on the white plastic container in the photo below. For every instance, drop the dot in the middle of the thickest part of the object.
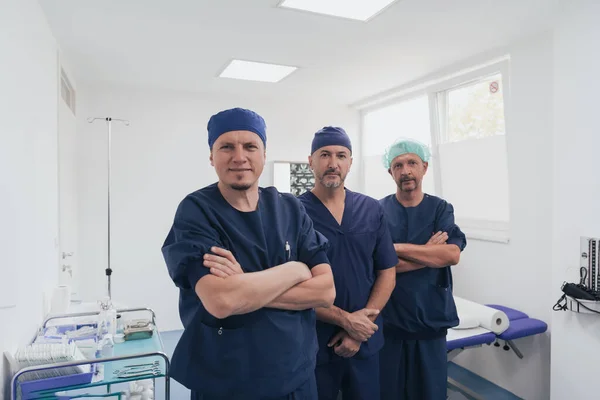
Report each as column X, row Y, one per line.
column 111, row 321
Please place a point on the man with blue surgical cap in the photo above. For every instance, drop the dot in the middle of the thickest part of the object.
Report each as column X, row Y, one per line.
column 362, row 258
column 421, row 309
column 250, row 269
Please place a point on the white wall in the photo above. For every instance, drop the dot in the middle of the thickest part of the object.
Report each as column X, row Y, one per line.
column 28, row 168
column 518, row 274
column 157, row 160
column 575, row 337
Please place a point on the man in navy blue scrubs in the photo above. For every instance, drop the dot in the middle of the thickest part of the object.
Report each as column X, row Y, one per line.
column 250, row 268
column 362, row 258
column 421, row 308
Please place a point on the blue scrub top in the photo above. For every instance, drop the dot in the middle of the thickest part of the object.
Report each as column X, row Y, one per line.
column 422, row 305
column 268, row 352
column 359, row 247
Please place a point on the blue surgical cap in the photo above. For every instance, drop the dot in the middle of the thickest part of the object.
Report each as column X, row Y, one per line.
column 405, row 146
column 236, row 119
column 330, row 136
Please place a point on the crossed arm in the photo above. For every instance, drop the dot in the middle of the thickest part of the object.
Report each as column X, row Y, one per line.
column 436, row 253
column 227, row 290
column 317, row 291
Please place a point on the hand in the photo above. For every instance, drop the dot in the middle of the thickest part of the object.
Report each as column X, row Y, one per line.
column 438, row 238
column 222, row 263
column 359, row 326
column 344, row 345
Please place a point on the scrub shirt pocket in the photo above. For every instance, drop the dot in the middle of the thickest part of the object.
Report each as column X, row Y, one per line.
column 289, row 252
column 443, row 310
column 228, row 348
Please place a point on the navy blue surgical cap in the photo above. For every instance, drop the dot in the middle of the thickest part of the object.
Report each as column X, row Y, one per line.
column 236, row 119
column 330, row 136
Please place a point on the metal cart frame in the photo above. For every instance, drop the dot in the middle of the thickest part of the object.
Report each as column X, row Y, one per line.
column 14, row 380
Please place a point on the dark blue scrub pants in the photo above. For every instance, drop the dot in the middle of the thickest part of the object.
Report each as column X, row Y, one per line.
column 358, row 379
column 413, row 369
column 308, row 391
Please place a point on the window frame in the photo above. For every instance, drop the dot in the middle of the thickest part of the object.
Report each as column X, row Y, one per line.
column 483, row 230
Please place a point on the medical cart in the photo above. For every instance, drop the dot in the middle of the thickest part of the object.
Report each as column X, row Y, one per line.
column 130, row 361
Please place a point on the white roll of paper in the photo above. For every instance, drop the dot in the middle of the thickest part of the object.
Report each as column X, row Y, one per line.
column 466, row 321
column 488, row 318
column 61, row 299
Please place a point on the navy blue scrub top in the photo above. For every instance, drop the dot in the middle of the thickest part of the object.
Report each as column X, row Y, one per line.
column 422, row 305
column 268, row 352
column 359, row 247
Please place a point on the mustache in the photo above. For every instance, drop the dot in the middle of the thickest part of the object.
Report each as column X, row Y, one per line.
column 331, row 171
column 406, row 179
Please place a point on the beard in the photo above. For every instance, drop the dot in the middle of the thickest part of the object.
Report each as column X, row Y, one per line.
column 331, row 184
column 407, row 188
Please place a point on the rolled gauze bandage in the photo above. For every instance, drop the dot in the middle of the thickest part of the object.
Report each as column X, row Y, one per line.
column 489, row 318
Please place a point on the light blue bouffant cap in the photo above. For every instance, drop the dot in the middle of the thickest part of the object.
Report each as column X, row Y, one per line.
column 405, row 146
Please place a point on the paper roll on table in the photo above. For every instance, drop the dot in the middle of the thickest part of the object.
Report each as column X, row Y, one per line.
column 488, row 318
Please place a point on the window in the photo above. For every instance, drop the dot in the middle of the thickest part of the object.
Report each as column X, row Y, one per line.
column 472, row 153
column 463, row 121
column 381, row 127
column 473, row 111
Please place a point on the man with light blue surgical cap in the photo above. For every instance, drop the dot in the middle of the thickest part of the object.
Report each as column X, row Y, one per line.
column 250, row 269
column 362, row 258
column 413, row 362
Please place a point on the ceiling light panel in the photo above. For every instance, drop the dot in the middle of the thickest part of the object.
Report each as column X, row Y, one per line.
column 360, row 10
column 256, row 71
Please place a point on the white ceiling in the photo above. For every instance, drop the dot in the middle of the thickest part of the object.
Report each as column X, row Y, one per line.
column 184, row 44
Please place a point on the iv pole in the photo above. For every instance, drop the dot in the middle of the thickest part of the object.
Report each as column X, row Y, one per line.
column 108, row 120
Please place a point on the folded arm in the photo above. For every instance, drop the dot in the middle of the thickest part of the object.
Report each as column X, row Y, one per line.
column 318, row 291
column 243, row 293
column 196, row 260
column 441, row 250
column 431, row 255
column 407, row 266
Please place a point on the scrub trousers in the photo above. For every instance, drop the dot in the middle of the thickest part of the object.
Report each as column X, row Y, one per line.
column 358, row 379
column 308, row 391
column 413, row 369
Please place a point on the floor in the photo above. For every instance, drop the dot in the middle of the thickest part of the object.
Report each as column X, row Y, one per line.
column 481, row 386
column 488, row 391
